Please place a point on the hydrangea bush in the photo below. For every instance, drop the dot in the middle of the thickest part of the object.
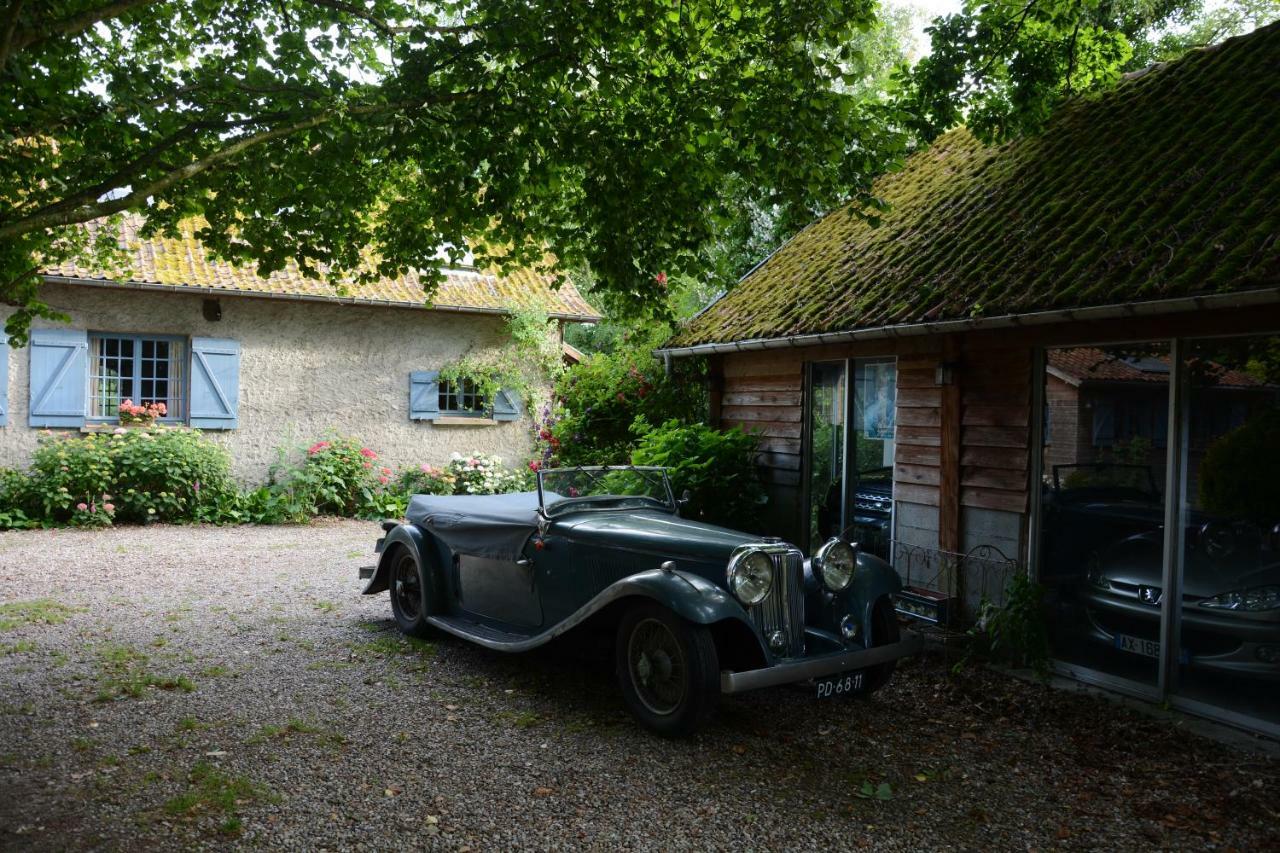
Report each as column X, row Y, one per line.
column 478, row 474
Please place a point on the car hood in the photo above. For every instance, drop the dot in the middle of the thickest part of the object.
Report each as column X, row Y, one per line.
column 652, row 531
column 1137, row 561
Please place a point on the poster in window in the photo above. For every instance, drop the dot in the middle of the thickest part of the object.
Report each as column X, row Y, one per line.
column 878, row 390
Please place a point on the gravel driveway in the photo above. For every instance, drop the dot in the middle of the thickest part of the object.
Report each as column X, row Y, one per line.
column 170, row 687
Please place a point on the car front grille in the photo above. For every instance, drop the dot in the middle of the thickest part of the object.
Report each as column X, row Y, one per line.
column 783, row 610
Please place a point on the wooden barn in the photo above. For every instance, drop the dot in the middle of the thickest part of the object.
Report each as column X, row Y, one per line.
column 1050, row 356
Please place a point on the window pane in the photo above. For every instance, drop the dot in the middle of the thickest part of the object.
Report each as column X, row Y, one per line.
column 826, row 451
column 1101, row 552
column 874, row 398
column 1230, row 564
column 154, row 376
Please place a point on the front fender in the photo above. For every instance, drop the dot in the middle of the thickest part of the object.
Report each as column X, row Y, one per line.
column 690, row 596
column 874, row 579
column 403, row 535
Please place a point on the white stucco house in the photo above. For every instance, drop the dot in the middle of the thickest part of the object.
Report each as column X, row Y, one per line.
column 270, row 362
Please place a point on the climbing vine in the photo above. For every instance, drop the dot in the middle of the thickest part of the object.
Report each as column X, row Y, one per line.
column 527, row 365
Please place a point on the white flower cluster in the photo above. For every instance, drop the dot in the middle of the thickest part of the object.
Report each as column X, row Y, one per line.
column 478, row 474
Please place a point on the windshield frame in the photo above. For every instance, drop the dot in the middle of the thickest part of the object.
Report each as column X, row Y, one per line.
column 569, row 502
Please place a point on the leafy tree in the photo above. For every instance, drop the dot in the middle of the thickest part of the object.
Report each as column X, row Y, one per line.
column 362, row 135
column 1001, row 67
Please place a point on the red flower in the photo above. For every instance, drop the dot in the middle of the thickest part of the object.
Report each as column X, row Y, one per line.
column 661, row 279
column 317, row 447
column 367, row 453
column 544, row 434
column 535, row 465
column 622, row 398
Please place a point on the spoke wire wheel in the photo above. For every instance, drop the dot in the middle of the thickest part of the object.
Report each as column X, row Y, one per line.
column 657, row 666
column 406, row 588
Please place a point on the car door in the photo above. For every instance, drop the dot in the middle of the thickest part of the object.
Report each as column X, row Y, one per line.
column 505, row 591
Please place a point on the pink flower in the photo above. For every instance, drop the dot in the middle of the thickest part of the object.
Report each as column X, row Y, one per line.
column 384, row 479
column 661, row 278
column 82, row 506
column 367, row 453
column 109, row 507
column 368, row 465
column 386, row 471
column 317, row 447
column 535, row 465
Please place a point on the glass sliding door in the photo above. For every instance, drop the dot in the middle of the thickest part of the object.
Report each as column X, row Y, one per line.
column 1102, row 508
column 850, row 451
column 1229, row 623
column 827, row 404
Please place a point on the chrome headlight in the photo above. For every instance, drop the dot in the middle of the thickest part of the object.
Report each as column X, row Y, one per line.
column 751, row 576
column 836, row 562
column 1258, row 598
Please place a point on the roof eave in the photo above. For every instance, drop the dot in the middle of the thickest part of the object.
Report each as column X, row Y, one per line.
column 1242, row 299
column 204, row 290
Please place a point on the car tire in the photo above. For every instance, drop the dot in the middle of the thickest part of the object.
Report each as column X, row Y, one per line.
column 409, row 600
column 884, row 630
column 667, row 669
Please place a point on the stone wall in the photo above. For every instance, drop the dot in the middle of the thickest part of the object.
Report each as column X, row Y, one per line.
column 307, row 369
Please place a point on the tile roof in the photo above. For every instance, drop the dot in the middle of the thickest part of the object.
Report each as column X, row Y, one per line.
column 1166, row 186
column 1089, row 364
column 183, row 262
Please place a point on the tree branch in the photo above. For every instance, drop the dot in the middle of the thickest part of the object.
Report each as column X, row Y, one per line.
column 76, row 209
column 76, row 23
column 387, row 29
column 10, row 26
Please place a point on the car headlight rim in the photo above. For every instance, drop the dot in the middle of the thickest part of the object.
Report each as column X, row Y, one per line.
column 750, row 577
column 837, row 563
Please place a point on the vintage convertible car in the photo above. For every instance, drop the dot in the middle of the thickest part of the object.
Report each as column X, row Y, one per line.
column 697, row 610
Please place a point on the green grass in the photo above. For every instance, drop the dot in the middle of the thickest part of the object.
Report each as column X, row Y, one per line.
column 210, row 791
column 324, row 606
column 294, row 727
column 190, row 724
column 215, row 671
column 123, row 672
column 521, row 720
column 18, row 648
column 37, row 611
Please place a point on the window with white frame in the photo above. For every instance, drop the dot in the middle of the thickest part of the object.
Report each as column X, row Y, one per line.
column 141, row 369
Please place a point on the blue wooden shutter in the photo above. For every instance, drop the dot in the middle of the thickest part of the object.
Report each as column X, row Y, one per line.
column 424, row 395
column 59, row 377
column 506, row 405
column 4, row 379
column 215, row 383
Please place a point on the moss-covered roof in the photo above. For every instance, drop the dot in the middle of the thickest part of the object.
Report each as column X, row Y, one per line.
column 184, row 263
column 1166, row 186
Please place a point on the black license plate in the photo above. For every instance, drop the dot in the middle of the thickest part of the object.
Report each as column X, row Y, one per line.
column 840, row 685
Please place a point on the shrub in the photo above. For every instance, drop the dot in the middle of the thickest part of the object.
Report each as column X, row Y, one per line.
column 1240, row 475
column 478, row 474
column 14, row 500
column 152, row 474
column 597, row 401
column 425, row 480
column 717, row 468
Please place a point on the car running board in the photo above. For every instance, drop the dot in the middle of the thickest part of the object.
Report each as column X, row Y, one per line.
column 484, row 635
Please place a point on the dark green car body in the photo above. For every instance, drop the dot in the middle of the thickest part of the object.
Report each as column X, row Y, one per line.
column 592, row 564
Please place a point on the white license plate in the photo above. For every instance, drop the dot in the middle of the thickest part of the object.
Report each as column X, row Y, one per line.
column 1137, row 646
column 839, row 685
